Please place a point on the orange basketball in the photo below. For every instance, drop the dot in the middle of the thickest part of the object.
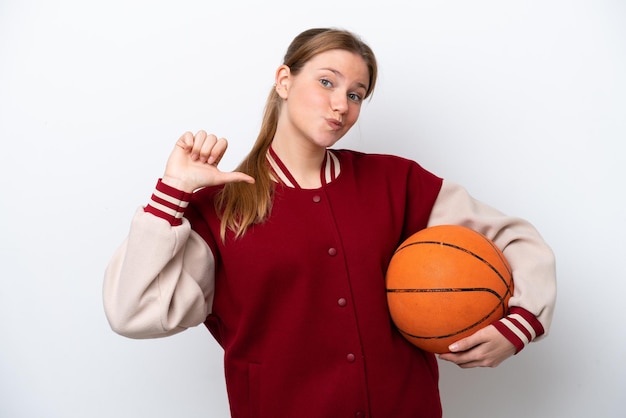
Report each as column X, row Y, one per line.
column 444, row 283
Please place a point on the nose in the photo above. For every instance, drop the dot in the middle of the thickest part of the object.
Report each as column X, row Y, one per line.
column 339, row 101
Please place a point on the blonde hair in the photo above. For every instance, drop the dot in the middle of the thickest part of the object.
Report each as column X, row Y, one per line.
column 242, row 204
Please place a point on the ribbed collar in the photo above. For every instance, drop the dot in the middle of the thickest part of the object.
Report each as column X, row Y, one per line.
column 280, row 174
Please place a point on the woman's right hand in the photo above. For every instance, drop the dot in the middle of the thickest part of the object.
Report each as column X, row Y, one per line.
column 193, row 163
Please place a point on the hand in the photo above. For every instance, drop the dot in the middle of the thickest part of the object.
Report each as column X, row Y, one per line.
column 487, row 347
column 193, row 163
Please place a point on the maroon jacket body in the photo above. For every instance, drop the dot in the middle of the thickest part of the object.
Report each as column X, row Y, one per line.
column 300, row 305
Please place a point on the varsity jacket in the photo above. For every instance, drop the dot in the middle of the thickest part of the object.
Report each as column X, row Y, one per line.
column 298, row 303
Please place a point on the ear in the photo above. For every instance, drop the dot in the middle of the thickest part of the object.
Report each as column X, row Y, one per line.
column 282, row 81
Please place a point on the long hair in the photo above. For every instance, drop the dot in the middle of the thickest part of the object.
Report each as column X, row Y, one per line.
column 241, row 204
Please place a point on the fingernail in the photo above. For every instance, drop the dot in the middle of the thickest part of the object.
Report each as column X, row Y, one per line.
column 210, row 160
column 453, row 347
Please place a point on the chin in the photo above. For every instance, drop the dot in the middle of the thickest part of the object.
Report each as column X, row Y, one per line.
column 329, row 142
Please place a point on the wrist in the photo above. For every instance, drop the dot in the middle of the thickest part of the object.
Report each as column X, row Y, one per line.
column 177, row 184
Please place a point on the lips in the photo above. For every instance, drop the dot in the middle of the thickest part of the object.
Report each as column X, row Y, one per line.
column 334, row 124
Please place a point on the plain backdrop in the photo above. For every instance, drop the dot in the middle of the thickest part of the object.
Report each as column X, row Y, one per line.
column 523, row 102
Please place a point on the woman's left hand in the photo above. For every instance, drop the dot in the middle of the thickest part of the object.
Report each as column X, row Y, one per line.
column 487, row 347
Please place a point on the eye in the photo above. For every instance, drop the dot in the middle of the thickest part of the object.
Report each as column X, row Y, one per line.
column 355, row 97
column 326, row 83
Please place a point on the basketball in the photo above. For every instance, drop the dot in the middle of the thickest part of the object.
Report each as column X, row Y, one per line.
column 444, row 283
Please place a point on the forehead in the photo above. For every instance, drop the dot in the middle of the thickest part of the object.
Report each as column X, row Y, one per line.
column 346, row 64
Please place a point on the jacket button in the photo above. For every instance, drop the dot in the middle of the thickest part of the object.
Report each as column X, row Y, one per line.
column 332, row 252
column 359, row 414
column 317, row 198
column 350, row 357
column 342, row 302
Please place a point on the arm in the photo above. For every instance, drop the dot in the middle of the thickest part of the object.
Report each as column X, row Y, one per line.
column 161, row 280
column 533, row 265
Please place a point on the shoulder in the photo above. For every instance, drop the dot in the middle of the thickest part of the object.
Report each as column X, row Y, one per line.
column 388, row 163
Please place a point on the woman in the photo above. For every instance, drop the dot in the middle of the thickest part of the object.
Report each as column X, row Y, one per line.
column 284, row 259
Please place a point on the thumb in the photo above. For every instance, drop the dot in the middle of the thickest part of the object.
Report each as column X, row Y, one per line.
column 466, row 343
column 235, row 177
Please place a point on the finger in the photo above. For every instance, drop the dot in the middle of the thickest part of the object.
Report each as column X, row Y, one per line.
column 217, row 152
column 198, row 142
column 462, row 345
column 451, row 357
column 470, row 365
column 463, row 360
column 185, row 141
column 470, row 342
column 207, row 147
column 456, row 358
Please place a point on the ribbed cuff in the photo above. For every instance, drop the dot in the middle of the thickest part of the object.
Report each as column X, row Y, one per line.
column 520, row 327
column 168, row 203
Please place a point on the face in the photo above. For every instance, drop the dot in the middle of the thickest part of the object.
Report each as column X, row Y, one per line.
column 323, row 101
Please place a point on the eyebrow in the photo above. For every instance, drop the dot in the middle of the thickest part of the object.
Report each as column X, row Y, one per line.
column 339, row 74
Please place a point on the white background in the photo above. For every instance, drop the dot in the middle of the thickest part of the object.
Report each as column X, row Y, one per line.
column 523, row 102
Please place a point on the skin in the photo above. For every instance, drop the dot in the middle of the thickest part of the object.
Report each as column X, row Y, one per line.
column 193, row 163
column 320, row 105
column 485, row 348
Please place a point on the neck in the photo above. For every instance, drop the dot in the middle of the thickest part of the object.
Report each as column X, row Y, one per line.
column 304, row 161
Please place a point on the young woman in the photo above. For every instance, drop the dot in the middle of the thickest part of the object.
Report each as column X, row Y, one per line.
column 284, row 259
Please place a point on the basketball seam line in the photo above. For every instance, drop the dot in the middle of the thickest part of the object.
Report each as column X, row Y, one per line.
column 465, row 250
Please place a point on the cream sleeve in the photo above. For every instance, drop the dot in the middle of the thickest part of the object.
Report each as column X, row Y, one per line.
column 160, row 281
column 532, row 261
